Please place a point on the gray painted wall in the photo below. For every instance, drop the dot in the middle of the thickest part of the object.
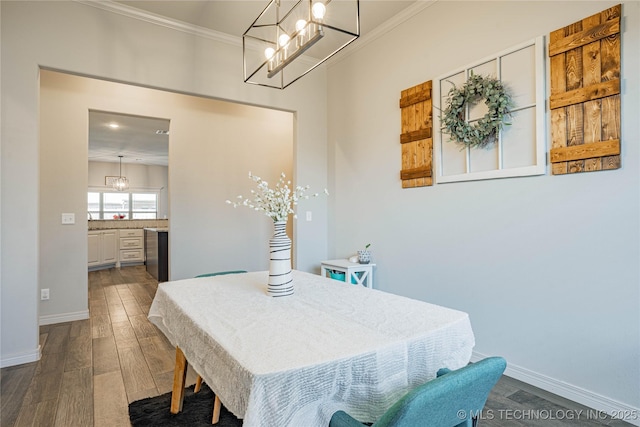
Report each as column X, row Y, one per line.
column 546, row 266
column 85, row 40
column 213, row 145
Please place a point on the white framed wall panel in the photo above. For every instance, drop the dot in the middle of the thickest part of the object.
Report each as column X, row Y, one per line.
column 521, row 146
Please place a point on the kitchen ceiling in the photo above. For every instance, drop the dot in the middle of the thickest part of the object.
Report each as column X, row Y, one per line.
column 136, row 139
column 141, row 140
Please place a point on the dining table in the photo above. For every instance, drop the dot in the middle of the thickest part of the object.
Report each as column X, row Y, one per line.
column 295, row 360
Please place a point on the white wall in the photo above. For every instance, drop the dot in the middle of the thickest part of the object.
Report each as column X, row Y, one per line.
column 82, row 39
column 206, row 169
column 546, row 266
column 141, row 178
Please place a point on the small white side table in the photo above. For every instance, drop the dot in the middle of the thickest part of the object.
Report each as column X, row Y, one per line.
column 350, row 270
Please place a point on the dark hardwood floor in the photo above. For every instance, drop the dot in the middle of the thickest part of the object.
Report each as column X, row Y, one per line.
column 91, row 370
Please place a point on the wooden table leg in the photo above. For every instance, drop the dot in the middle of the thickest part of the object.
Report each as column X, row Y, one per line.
column 216, row 410
column 198, row 385
column 179, row 379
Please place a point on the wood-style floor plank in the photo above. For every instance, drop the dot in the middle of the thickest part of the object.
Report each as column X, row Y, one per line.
column 157, row 354
column 101, row 326
column 57, row 339
column 98, row 306
column 12, row 384
column 128, row 276
column 111, row 294
column 142, row 327
column 41, row 414
column 79, row 346
column 80, row 328
column 105, row 355
column 44, row 386
column 117, row 313
column 124, row 334
column 79, row 353
column 49, row 363
column 110, row 406
column 75, row 403
column 131, row 306
column 139, row 292
column 138, row 381
column 116, row 277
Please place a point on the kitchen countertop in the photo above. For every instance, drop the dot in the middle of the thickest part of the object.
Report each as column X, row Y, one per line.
column 158, row 230
column 111, row 224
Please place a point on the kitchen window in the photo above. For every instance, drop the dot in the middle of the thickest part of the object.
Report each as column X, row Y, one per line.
column 119, row 205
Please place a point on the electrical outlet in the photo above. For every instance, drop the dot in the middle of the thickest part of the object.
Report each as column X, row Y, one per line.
column 44, row 294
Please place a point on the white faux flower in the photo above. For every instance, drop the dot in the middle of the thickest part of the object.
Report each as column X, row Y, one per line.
column 277, row 203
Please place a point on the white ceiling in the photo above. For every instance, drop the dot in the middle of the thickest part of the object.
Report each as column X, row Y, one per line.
column 136, row 139
column 234, row 17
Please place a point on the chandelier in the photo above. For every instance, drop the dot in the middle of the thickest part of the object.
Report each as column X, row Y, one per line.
column 121, row 183
column 291, row 38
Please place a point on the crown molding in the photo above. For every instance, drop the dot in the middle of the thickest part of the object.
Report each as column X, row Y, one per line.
column 174, row 24
column 398, row 19
column 163, row 21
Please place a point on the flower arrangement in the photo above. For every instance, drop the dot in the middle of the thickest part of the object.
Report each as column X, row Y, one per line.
column 277, row 203
column 484, row 131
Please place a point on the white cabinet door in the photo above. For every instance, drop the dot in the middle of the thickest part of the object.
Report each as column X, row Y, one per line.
column 94, row 248
column 109, row 246
column 102, row 247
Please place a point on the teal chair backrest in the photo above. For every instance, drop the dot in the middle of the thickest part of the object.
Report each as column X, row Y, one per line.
column 221, row 273
column 454, row 398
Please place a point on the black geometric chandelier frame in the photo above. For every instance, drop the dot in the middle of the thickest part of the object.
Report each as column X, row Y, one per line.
column 291, row 38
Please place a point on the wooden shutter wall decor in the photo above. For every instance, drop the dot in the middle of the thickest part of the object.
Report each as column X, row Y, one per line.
column 416, row 137
column 585, row 94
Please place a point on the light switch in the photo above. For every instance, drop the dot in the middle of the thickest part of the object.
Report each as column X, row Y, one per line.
column 309, row 216
column 68, row 218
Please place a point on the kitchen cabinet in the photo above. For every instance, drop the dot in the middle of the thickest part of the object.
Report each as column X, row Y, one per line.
column 103, row 248
column 131, row 246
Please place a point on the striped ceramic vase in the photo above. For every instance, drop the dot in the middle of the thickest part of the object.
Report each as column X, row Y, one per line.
column 280, row 278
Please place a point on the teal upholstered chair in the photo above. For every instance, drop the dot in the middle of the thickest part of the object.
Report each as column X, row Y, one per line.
column 454, row 398
column 221, row 273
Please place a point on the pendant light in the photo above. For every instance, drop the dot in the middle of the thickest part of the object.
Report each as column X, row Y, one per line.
column 121, row 183
column 289, row 39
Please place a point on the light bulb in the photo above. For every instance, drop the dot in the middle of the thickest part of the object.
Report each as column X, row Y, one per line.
column 300, row 26
column 283, row 40
column 318, row 9
column 269, row 52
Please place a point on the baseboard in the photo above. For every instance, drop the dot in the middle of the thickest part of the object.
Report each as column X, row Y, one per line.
column 20, row 358
column 131, row 263
column 64, row 317
column 102, row 267
column 568, row 391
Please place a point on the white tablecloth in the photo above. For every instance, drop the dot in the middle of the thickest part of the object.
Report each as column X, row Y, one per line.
column 294, row 361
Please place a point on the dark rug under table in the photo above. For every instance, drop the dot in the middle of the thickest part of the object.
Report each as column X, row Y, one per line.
column 196, row 411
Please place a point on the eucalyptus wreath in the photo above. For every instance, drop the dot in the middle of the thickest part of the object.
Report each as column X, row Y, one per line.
column 485, row 130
